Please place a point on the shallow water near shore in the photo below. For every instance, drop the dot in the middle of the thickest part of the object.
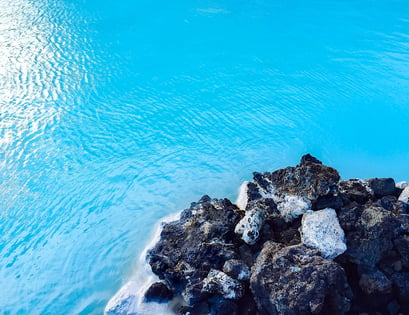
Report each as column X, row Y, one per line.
column 114, row 114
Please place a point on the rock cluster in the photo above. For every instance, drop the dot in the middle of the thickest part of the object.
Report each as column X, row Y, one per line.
column 300, row 241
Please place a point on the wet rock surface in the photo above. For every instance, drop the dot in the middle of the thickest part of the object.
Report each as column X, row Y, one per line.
column 299, row 241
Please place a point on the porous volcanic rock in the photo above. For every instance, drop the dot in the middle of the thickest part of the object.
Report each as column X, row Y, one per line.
column 297, row 280
column 250, row 259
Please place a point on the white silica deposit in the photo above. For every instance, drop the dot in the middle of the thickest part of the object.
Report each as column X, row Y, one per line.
column 291, row 206
column 249, row 227
column 321, row 230
column 404, row 195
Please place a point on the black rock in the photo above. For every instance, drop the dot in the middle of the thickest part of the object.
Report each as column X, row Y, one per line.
column 382, row 186
column 224, row 307
column 308, row 158
column 237, row 269
column 158, row 292
column 297, row 280
column 355, row 190
column 203, row 239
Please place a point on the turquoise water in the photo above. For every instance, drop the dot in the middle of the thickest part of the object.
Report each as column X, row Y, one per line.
column 114, row 114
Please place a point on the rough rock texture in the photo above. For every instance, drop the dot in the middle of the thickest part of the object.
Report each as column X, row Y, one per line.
column 404, row 195
column 321, row 230
column 158, row 292
column 297, row 280
column 203, row 239
column 281, row 251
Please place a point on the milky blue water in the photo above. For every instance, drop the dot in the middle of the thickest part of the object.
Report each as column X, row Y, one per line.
column 114, row 114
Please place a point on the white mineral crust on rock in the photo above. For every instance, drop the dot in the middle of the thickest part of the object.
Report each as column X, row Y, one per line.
column 402, row 185
column 291, row 206
column 404, row 195
column 225, row 285
column 321, row 230
column 249, row 227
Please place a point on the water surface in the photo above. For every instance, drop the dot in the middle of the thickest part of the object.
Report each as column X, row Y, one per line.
column 114, row 114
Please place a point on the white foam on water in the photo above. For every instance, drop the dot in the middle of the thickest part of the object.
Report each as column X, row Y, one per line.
column 129, row 299
column 242, row 198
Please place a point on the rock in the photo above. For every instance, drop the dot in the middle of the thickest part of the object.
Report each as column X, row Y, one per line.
column 372, row 236
column 328, row 201
column 402, row 185
column 404, row 195
column 224, row 307
column 402, row 245
column 356, row 190
column 308, row 158
column 237, row 269
column 158, row 292
column 203, row 239
column 321, row 230
column 375, row 282
column 382, row 186
column 297, row 280
column 309, row 179
column 219, row 283
column 388, row 202
column 249, row 227
column 291, row 206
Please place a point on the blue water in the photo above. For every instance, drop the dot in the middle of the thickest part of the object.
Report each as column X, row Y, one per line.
column 114, row 114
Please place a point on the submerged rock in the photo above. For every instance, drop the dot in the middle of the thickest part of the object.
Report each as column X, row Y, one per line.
column 321, row 230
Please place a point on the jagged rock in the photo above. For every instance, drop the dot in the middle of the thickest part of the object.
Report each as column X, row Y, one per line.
column 203, row 239
column 237, row 269
column 356, row 190
column 219, row 283
column 249, row 227
column 248, row 192
column 328, row 201
column 404, row 195
column 297, row 280
column 158, row 292
column 372, row 235
column 382, row 186
column 309, row 179
column 375, row 282
column 321, row 230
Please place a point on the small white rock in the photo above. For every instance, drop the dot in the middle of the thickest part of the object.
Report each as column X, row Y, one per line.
column 249, row 227
column 321, row 230
column 404, row 195
column 402, row 185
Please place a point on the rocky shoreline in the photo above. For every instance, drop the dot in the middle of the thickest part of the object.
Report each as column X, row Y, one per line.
column 299, row 241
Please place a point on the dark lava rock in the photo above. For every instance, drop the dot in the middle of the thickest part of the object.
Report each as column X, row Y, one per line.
column 158, row 292
column 297, row 280
column 382, row 186
column 308, row 179
column 201, row 258
column 355, row 190
column 203, row 239
column 237, row 269
column 371, row 236
column 375, row 282
column 224, row 307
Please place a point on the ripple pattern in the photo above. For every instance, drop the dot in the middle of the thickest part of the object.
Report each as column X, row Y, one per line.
column 114, row 114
